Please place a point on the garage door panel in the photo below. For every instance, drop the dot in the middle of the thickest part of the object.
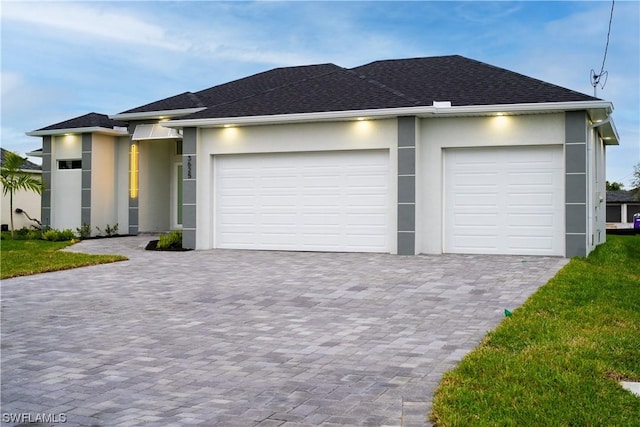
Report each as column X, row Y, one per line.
column 474, row 219
column 530, row 220
column 366, row 219
column 474, row 180
column 530, row 245
column 473, row 200
column 512, row 197
column 329, row 201
column 526, row 178
column 539, row 201
column 479, row 244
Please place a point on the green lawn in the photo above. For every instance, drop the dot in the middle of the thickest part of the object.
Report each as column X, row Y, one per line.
column 24, row 257
column 557, row 361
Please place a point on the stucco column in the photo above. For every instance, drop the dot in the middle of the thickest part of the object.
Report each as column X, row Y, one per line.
column 134, row 165
column 189, row 160
column 45, row 207
column 576, row 214
column 85, row 216
column 407, row 185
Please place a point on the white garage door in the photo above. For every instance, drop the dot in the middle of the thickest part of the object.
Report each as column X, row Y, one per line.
column 320, row 201
column 504, row 200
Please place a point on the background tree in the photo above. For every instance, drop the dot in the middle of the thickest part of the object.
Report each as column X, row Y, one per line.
column 635, row 181
column 14, row 179
column 614, row 186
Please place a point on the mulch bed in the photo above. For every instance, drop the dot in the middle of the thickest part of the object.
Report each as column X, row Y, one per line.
column 153, row 246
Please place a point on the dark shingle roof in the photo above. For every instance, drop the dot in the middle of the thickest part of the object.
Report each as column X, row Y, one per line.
column 263, row 82
column 237, row 89
column 88, row 120
column 622, row 196
column 339, row 90
column 177, row 102
column 390, row 84
column 463, row 81
column 27, row 165
column 378, row 85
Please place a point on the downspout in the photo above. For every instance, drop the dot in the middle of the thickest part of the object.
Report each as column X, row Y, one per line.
column 593, row 181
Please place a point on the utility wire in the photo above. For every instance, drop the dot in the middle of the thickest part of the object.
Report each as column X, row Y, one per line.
column 595, row 78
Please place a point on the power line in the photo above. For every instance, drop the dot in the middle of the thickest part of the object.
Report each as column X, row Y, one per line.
column 595, row 78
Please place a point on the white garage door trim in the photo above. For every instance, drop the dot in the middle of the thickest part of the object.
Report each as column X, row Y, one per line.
column 504, row 200
column 336, row 201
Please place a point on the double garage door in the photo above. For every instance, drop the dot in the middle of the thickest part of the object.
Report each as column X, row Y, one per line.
column 507, row 200
column 318, row 201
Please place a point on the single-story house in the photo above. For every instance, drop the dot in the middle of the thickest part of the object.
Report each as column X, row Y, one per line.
column 621, row 206
column 27, row 201
column 425, row 155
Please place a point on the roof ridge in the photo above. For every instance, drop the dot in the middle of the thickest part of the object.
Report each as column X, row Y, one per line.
column 263, row 73
column 408, row 59
column 288, row 84
column 195, row 99
column 381, row 85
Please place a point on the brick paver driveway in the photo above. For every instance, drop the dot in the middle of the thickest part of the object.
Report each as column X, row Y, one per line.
column 246, row 338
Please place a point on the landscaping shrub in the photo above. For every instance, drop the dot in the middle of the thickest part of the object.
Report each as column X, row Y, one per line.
column 84, row 231
column 34, row 235
column 23, row 234
column 172, row 240
column 54, row 235
column 109, row 231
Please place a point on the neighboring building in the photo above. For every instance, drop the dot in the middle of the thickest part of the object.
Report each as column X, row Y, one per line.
column 28, row 201
column 621, row 206
column 424, row 155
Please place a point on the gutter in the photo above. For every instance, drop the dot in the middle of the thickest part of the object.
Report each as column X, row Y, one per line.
column 70, row 131
column 161, row 114
column 422, row 111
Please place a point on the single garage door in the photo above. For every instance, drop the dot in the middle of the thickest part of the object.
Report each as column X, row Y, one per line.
column 504, row 200
column 318, row 201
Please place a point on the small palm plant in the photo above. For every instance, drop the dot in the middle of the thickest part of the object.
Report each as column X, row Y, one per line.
column 14, row 179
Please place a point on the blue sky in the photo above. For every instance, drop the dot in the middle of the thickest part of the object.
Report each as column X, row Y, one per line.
column 64, row 59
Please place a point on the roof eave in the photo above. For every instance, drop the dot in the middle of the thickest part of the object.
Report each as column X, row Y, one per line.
column 35, row 153
column 75, row 131
column 607, row 131
column 161, row 114
column 296, row 118
column 603, row 107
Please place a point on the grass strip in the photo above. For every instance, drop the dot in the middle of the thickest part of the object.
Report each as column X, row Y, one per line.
column 558, row 360
column 25, row 257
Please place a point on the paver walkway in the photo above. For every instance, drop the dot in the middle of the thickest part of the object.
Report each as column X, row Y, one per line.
column 244, row 338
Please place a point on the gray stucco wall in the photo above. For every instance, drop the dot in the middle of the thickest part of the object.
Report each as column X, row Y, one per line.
column 576, row 213
column 45, row 207
column 85, row 204
column 189, row 157
column 407, row 185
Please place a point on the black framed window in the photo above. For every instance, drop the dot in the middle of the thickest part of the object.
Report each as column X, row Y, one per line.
column 69, row 164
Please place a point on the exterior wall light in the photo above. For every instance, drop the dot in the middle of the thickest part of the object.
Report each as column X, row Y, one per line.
column 133, row 171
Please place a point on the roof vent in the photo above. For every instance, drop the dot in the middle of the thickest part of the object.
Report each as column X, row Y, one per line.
column 442, row 104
